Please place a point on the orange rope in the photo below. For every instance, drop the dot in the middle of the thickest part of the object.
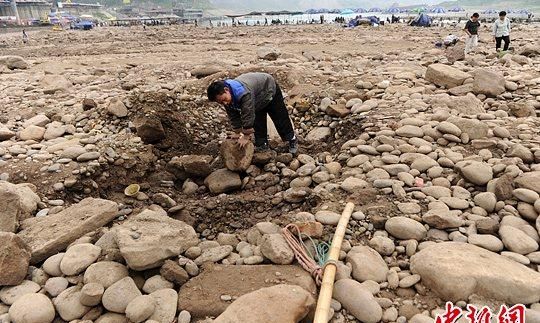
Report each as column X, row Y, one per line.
column 301, row 254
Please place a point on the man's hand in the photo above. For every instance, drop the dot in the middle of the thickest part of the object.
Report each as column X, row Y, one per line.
column 243, row 140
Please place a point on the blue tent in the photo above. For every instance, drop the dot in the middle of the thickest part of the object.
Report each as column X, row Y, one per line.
column 422, row 20
column 392, row 10
column 510, row 10
column 360, row 10
column 524, row 11
column 490, row 12
column 375, row 9
column 310, row 11
column 438, row 10
column 456, row 9
column 335, row 11
column 346, row 12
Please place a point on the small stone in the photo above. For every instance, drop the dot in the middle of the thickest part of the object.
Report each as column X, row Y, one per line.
column 32, row 308
column 140, row 308
column 91, row 294
column 117, row 297
column 78, row 258
column 155, row 283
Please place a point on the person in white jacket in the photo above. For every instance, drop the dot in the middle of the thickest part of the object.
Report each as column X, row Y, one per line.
column 501, row 31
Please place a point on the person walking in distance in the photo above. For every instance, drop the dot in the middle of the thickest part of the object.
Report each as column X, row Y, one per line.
column 471, row 29
column 501, row 31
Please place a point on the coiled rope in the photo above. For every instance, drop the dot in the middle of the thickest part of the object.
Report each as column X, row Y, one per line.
column 295, row 239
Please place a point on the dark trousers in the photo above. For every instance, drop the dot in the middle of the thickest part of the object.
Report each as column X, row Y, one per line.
column 277, row 111
column 498, row 41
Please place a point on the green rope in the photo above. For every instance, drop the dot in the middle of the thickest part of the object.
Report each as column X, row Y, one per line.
column 321, row 249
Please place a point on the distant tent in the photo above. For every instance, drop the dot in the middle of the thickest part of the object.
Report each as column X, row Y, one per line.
column 490, row 12
column 374, row 20
column 422, row 20
column 311, row 11
column 509, row 10
column 456, row 9
column 392, row 10
column 323, row 10
column 360, row 10
column 524, row 11
column 334, row 11
column 375, row 9
column 346, row 12
column 419, row 10
column 438, row 10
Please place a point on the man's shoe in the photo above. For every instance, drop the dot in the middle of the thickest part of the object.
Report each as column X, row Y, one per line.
column 293, row 146
column 262, row 148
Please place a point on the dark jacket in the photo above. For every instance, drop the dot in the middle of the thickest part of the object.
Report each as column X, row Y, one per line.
column 260, row 88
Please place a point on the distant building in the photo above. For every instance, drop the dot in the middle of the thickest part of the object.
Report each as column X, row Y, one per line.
column 188, row 14
column 78, row 9
column 28, row 10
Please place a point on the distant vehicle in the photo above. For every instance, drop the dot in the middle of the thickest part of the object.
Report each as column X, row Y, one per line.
column 83, row 25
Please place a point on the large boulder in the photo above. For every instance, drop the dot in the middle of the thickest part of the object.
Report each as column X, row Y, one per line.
column 357, row 300
column 205, row 70
column 467, row 104
column 522, row 109
column 150, row 129
column 10, row 212
column 405, row 228
column 476, row 172
column 117, row 297
column 456, row 270
column 276, row 249
column 166, row 305
column 268, row 53
column 190, row 165
column 148, row 239
column 5, row 133
column 530, row 50
column 32, row 308
column 367, row 264
column 55, row 83
column 236, row 158
column 14, row 259
column 69, row 306
column 530, row 180
column 117, row 108
column 13, row 62
column 49, row 235
column 201, row 296
column 78, row 257
column 223, row 181
column 319, row 134
column 445, row 75
column 488, row 83
column 476, row 129
column 455, row 53
column 280, row 303
column 105, row 273
column 19, row 203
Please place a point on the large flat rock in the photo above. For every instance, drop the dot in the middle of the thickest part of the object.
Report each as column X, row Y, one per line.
column 148, row 239
column 52, row 234
column 445, row 75
column 201, row 295
column 456, row 270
